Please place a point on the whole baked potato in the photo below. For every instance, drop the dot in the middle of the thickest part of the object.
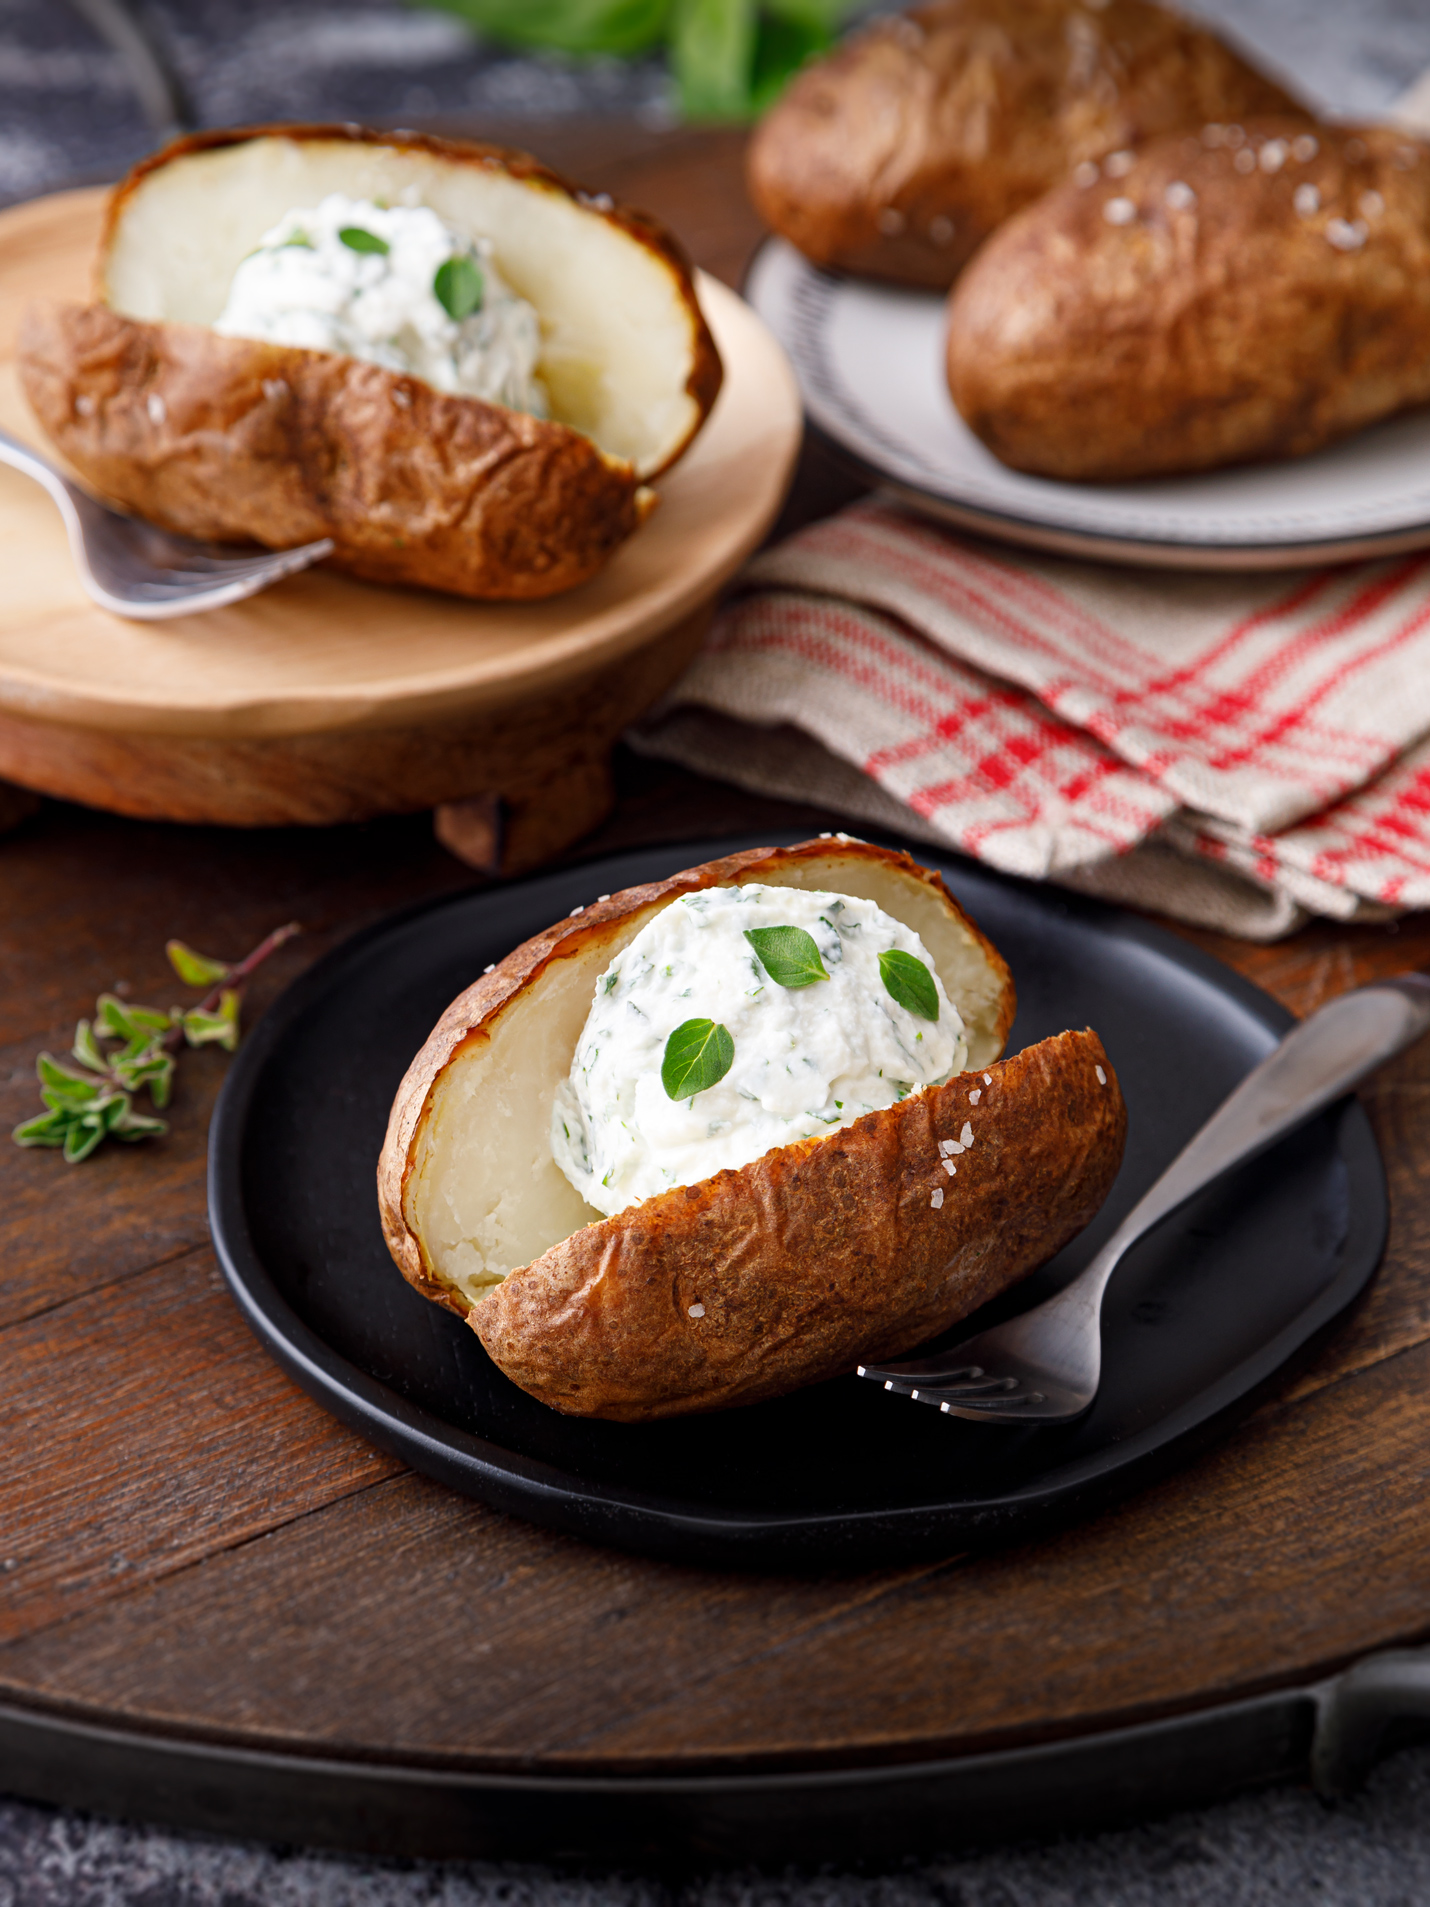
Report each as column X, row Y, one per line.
column 898, row 154
column 860, row 1243
column 240, row 436
column 1254, row 292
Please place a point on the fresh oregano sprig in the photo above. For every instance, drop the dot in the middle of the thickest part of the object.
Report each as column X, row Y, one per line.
column 125, row 1049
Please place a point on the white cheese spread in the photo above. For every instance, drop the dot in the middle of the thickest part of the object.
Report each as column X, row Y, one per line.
column 808, row 1056
column 394, row 285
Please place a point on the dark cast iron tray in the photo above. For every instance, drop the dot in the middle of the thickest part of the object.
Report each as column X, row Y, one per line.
column 1197, row 1320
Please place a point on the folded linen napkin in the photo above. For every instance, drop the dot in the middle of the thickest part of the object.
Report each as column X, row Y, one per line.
column 1236, row 750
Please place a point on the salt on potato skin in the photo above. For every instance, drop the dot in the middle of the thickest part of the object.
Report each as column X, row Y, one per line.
column 1213, row 306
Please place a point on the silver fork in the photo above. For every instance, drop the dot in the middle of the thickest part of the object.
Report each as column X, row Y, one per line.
column 1044, row 1365
column 146, row 574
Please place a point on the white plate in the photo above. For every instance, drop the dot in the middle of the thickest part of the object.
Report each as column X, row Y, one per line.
column 870, row 365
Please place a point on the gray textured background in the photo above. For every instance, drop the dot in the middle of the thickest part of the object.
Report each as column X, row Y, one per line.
column 66, row 114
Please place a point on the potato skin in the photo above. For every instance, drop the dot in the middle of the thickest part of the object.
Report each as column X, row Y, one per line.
column 1201, row 332
column 228, row 438
column 819, row 1254
column 898, row 154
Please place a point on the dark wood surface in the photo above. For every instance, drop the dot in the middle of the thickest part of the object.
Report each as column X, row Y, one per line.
column 189, row 1545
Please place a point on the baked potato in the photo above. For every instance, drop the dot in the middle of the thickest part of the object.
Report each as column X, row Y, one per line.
column 229, row 437
column 900, row 152
column 859, row 1244
column 1255, row 292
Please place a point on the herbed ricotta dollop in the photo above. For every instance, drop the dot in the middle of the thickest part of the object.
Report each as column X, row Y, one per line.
column 394, row 285
column 807, row 1058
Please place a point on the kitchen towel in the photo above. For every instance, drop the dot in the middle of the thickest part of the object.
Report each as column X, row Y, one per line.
column 1235, row 750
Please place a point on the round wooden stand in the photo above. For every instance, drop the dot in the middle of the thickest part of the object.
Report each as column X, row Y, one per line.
column 326, row 699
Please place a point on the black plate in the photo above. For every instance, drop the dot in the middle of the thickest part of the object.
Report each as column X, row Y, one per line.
column 1196, row 1320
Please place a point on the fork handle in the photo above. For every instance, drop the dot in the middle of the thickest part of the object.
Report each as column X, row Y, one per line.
column 1317, row 1062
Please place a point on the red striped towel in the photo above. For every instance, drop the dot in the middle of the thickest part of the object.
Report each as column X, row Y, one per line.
column 1237, row 749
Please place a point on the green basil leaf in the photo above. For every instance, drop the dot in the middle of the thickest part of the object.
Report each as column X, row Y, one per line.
column 788, row 955
column 459, row 287
column 358, row 240
column 697, row 1054
column 910, row 983
column 195, row 969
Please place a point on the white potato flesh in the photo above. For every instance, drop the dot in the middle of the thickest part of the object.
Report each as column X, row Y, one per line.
column 485, row 1195
column 617, row 335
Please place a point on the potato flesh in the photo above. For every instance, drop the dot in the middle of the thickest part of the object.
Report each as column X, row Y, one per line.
column 617, row 338
column 486, row 1197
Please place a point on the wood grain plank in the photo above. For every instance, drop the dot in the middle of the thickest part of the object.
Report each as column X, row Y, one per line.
column 86, row 904
column 405, row 1622
column 145, row 1428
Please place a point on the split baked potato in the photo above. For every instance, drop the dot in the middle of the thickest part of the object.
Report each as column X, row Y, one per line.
column 897, row 155
column 856, row 1245
column 229, row 437
column 1250, row 293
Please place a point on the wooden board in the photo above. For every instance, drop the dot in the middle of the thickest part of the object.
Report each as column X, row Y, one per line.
column 199, row 1565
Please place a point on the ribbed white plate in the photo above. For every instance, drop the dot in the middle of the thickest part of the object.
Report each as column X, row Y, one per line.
column 870, row 365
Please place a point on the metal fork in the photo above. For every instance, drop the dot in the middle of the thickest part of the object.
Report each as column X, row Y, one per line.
column 146, row 574
column 1044, row 1365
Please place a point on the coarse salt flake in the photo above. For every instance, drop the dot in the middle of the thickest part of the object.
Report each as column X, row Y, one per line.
column 975, row 1096
column 491, row 969
column 1117, row 165
column 1119, row 211
column 602, row 897
column 1371, row 205
column 1346, row 236
column 1273, row 155
column 1086, row 174
column 967, row 1134
column 1101, row 1076
column 697, row 1311
column 1305, row 147
column 988, row 1079
column 950, row 1167
column 84, row 404
column 890, row 221
column 941, row 229
column 402, row 399
column 936, row 1199
column 1179, row 195
column 156, row 408
column 1307, row 200
column 574, row 912
column 1245, row 160
column 945, row 1146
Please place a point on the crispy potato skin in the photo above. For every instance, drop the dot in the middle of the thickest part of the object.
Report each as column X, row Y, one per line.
column 225, row 438
column 706, row 373
column 1208, row 331
column 819, row 1254
column 897, row 155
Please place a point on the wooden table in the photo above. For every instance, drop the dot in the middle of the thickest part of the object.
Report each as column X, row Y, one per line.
column 221, row 1608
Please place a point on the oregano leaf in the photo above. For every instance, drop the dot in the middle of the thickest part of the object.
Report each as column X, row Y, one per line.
column 195, row 969
column 909, row 982
column 459, row 287
column 86, row 1048
column 698, row 1054
column 358, row 239
column 788, row 955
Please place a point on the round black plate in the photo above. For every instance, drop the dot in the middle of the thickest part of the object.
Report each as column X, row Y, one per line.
column 1197, row 1318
